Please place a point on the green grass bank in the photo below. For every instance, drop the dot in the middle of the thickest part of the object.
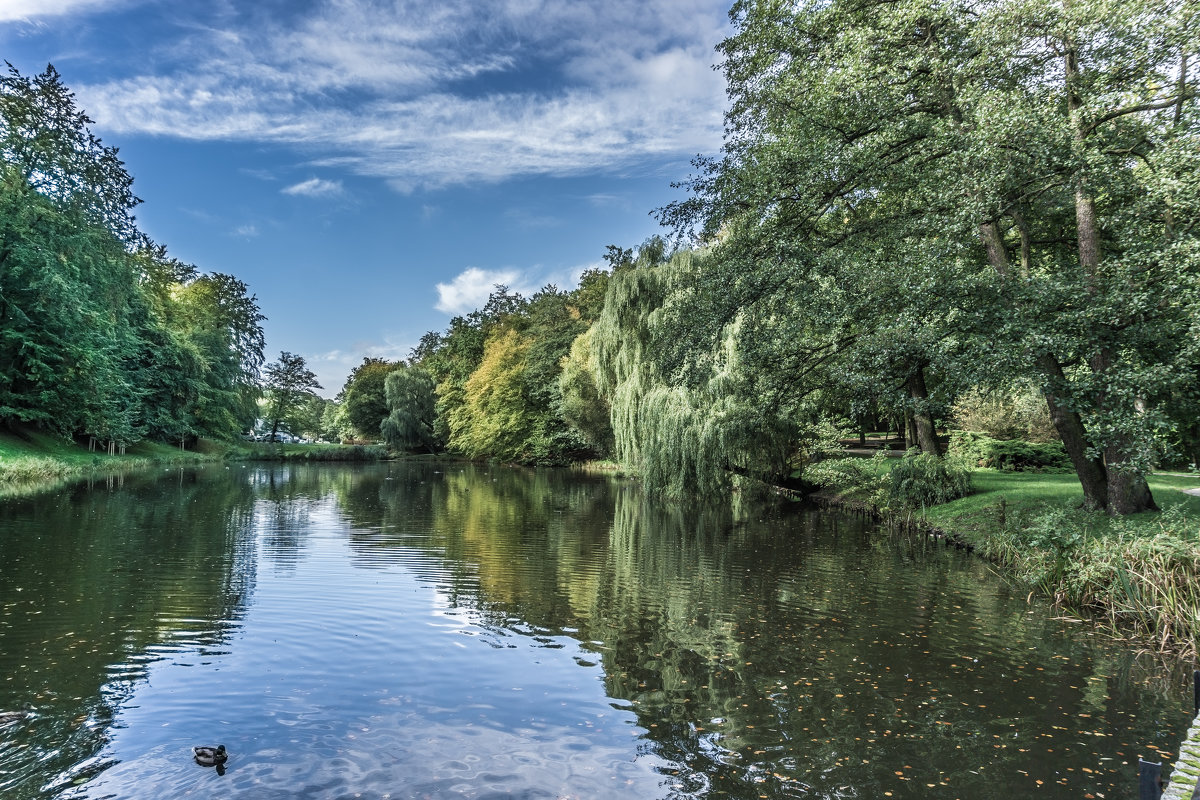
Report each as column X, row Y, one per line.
column 31, row 460
column 1138, row 576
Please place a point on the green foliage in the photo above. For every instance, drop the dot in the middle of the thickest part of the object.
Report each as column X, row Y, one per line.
column 1008, row 184
column 364, row 396
column 411, row 404
column 683, row 436
column 494, row 419
column 1008, row 454
column 583, row 409
column 308, row 417
column 1018, row 412
column 101, row 334
column 289, row 385
column 497, row 374
column 919, row 480
column 847, row 475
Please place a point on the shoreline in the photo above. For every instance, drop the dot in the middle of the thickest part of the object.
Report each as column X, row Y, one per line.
column 1136, row 579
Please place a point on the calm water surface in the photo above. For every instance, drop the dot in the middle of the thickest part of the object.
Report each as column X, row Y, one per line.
column 457, row 632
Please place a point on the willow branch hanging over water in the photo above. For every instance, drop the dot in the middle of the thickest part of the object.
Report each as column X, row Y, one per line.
column 681, row 436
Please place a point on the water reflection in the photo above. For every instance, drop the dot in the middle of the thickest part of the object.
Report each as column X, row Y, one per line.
column 453, row 631
column 98, row 582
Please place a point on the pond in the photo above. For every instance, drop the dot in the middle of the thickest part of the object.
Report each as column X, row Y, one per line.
column 415, row 630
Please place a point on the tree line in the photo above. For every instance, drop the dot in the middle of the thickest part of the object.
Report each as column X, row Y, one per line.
column 920, row 208
column 916, row 203
column 102, row 334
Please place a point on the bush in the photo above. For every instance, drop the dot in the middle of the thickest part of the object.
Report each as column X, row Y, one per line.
column 919, row 480
column 1008, row 454
column 843, row 474
column 1018, row 413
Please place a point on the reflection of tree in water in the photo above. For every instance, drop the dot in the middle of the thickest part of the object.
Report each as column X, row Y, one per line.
column 800, row 656
column 111, row 580
column 833, row 662
column 282, row 511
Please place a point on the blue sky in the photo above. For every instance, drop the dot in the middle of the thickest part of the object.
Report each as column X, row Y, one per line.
column 372, row 167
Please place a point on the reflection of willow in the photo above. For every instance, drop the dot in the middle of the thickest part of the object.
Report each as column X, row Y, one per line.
column 800, row 654
column 764, row 664
column 113, row 581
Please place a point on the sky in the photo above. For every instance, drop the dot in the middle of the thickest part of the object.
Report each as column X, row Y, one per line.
column 371, row 168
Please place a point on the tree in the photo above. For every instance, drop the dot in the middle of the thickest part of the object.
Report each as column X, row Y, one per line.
column 410, row 399
column 101, row 333
column 1042, row 153
column 65, row 282
column 494, row 418
column 687, row 434
column 364, row 398
column 289, row 384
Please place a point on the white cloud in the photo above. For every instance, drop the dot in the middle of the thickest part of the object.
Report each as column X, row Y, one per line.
column 409, row 93
column 29, row 10
column 246, row 231
column 315, row 187
column 471, row 288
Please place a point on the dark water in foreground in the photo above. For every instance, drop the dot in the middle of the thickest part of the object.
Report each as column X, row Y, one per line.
column 459, row 632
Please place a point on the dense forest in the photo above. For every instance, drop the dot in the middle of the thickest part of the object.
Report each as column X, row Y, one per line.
column 103, row 336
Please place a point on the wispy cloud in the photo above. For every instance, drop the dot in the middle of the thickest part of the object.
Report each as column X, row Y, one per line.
column 315, row 187
column 332, row 367
column 530, row 220
column 246, row 231
column 428, row 94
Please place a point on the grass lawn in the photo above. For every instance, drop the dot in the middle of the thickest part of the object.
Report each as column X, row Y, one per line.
column 1031, row 492
column 32, row 457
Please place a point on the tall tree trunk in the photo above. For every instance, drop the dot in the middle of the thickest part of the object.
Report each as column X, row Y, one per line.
column 1128, row 492
column 922, row 421
column 1093, row 477
column 1091, row 472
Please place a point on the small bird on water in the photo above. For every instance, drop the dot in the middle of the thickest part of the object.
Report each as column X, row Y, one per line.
column 210, row 756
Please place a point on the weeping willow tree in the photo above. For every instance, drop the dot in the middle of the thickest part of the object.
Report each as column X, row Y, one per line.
column 690, row 433
column 583, row 408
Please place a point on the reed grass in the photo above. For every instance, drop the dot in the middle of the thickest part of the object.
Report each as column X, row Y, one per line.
column 312, row 452
column 1139, row 575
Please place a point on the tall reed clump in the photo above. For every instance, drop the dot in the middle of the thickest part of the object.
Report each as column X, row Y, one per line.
column 28, row 469
column 1141, row 576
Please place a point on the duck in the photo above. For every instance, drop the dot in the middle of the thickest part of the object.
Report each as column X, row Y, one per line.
column 208, row 756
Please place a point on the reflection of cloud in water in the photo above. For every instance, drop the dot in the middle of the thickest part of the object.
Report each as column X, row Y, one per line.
column 405, row 753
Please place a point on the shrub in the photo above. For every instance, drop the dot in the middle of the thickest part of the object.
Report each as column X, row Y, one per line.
column 844, row 474
column 919, row 480
column 1018, row 413
column 1008, row 454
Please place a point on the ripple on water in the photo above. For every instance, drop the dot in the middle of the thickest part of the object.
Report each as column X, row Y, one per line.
column 397, row 631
